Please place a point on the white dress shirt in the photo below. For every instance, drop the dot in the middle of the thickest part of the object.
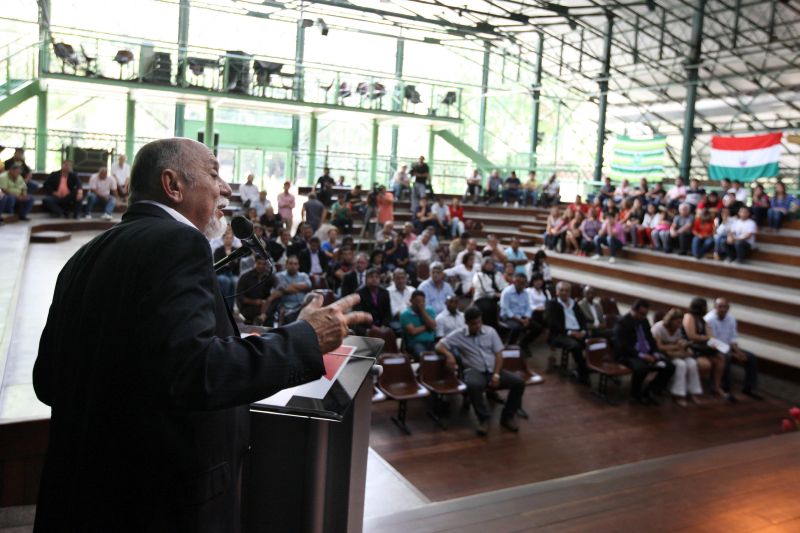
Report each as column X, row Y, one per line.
column 399, row 300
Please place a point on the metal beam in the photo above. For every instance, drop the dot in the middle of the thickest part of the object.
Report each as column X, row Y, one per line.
column 373, row 166
column 44, row 36
column 130, row 126
column 536, row 93
column 183, row 43
column 312, row 148
column 397, row 101
column 299, row 53
column 692, row 78
column 487, row 56
column 603, row 99
column 208, row 132
column 41, row 129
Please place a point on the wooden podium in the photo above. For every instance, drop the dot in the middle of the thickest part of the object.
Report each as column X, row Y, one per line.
column 307, row 466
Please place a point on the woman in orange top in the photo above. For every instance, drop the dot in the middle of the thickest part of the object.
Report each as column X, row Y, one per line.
column 385, row 202
column 703, row 231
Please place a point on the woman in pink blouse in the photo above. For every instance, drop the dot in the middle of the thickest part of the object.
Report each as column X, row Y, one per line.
column 286, row 205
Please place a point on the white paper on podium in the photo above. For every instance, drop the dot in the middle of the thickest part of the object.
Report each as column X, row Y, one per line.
column 334, row 361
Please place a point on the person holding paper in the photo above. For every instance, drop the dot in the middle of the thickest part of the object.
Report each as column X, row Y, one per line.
column 723, row 326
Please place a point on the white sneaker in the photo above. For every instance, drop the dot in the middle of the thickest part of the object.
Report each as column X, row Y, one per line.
column 88, row 217
column 106, row 216
column 516, row 204
column 596, row 257
column 612, row 260
column 505, row 204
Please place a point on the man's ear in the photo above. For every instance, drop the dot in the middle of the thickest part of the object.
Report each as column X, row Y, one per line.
column 172, row 186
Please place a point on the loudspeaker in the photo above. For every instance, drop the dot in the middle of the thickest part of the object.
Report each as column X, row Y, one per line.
column 201, row 135
column 89, row 159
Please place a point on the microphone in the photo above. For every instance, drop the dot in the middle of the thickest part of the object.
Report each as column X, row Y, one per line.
column 243, row 230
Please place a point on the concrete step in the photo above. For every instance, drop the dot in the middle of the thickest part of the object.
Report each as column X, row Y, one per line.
column 762, row 324
column 50, row 236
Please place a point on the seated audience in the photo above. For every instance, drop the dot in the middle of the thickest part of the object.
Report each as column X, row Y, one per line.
column 680, row 231
column 759, row 205
column 494, row 250
column 481, row 353
column 677, row 194
column 539, row 295
column 592, row 309
column 606, row 193
column 685, row 380
column 64, row 193
column 253, row 294
column 262, row 203
column 423, row 248
column 292, row 286
column 450, row 319
column 541, row 265
column 530, row 194
column 573, row 233
column 723, row 328
column 342, row 216
column 418, row 322
column 650, row 221
column 465, row 272
column 385, row 234
column 780, row 206
column 712, row 202
column 722, row 226
column 635, row 347
column 516, row 312
column 103, row 191
column 228, row 275
column 739, row 192
column 493, row 187
column 14, row 192
column 436, row 289
column 579, row 205
column 703, row 234
column 512, row 189
column 612, row 235
column 474, row 186
column 590, row 228
column 488, row 285
column 355, row 279
column 397, row 255
column 401, row 182
column 516, row 256
column 424, row 217
column 551, row 191
column 456, row 212
column 375, row 300
column 272, row 222
column 313, row 261
column 694, row 330
column 567, row 328
column 441, row 215
column 741, row 238
column 399, row 296
column 555, row 229
column 694, row 194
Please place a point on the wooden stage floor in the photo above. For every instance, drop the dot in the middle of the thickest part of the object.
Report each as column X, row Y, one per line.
column 569, row 432
column 750, row 486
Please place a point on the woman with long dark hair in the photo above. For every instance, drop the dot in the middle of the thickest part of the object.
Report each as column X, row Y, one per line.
column 694, row 329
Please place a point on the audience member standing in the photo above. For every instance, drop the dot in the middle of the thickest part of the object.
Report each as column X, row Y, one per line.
column 421, row 173
column 286, row 203
column 313, row 211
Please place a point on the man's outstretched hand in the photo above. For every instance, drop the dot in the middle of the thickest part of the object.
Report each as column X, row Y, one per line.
column 332, row 323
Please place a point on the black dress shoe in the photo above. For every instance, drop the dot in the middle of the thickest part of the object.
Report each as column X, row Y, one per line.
column 730, row 398
column 753, row 395
column 651, row 399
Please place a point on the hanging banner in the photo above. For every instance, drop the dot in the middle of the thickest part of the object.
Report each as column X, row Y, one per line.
column 745, row 158
column 638, row 158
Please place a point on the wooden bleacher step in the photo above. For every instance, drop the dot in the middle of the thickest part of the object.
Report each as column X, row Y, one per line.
column 50, row 237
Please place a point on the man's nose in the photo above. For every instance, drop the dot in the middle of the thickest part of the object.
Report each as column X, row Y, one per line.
column 225, row 189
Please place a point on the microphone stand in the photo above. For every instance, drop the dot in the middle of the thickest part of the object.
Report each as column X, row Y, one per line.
column 239, row 252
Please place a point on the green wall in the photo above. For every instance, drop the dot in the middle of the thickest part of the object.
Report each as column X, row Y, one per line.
column 236, row 136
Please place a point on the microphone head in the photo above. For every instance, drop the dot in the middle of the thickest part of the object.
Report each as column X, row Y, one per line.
column 242, row 228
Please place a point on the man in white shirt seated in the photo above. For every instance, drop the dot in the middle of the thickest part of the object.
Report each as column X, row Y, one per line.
column 677, row 194
column 399, row 297
column 723, row 328
column 401, row 182
column 450, row 319
column 249, row 193
column 740, row 193
column 261, row 204
column 385, row 233
column 742, row 236
column 102, row 190
column 423, row 248
column 121, row 172
column 593, row 311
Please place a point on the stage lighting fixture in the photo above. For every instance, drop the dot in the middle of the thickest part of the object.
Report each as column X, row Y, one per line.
column 573, row 24
column 651, row 5
column 323, row 28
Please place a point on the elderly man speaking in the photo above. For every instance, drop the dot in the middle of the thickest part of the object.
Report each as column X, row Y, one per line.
column 145, row 370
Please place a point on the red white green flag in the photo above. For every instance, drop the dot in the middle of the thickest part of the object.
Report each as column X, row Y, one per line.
column 745, row 158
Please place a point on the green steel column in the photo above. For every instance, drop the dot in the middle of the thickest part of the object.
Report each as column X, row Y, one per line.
column 537, row 91
column 373, row 167
column 299, row 52
column 130, row 126
column 397, row 102
column 431, row 146
column 603, row 100
column 208, row 133
column 312, row 149
column 44, row 36
column 41, row 128
column 692, row 79
column 487, row 55
column 183, row 42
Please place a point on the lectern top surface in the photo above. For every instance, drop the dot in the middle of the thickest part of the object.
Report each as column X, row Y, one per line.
column 330, row 396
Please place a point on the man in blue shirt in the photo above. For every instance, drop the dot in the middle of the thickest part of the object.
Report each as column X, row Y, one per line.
column 436, row 289
column 292, row 287
column 493, row 187
column 511, row 190
column 418, row 322
column 516, row 310
column 516, row 256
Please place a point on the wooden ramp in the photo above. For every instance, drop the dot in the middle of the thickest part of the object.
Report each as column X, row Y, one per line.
column 745, row 487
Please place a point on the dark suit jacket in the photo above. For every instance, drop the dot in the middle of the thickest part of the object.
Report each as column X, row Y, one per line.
column 53, row 179
column 350, row 282
column 305, row 260
column 149, row 382
column 381, row 313
column 624, row 338
column 554, row 314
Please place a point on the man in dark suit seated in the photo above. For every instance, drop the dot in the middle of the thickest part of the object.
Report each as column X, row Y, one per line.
column 313, row 261
column 635, row 348
column 355, row 279
column 64, row 192
column 567, row 326
column 375, row 300
column 148, row 378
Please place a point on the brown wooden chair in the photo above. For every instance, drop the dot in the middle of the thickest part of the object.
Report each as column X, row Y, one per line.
column 388, row 336
column 600, row 359
column 609, row 306
column 441, row 381
column 513, row 362
column 398, row 382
